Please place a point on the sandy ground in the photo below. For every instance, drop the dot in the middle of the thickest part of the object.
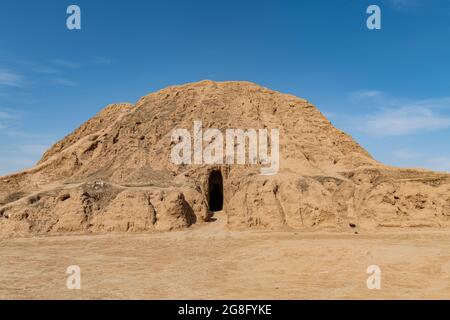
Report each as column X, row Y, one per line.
column 210, row 262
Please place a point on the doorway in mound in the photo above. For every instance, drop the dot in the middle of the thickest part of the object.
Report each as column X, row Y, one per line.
column 215, row 191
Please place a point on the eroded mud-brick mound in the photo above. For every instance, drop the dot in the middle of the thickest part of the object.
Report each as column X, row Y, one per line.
column 115, row 173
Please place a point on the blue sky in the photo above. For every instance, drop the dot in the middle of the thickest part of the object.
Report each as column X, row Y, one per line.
column 388, row 88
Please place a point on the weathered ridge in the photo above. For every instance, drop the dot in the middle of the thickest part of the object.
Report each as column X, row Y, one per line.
column 114, row 173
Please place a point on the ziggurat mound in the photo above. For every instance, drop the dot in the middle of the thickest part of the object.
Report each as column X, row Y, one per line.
column 114, row 173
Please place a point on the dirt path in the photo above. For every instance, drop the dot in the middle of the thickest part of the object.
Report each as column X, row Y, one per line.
column 211, row 262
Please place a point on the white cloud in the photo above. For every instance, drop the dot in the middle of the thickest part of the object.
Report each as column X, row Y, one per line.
column 357, row 95
column 16, row 157
column 5, row 115
column 393, row 116
column 65, row 64
column 404, row 120
column 404, row 4
column 365, row 98
column 11, row 79
column 8, row 118
column 439, row 103
column 102, row 60
column 44, row 69
column 17, row 133
column 64, row 82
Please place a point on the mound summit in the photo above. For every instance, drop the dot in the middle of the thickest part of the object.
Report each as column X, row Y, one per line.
column 114, row 173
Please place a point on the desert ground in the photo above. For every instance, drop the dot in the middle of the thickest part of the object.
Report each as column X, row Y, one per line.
column 211, row 262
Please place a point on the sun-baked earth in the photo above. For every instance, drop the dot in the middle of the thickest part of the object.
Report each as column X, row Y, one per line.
column 212, row 262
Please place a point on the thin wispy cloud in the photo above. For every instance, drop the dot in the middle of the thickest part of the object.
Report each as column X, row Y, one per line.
column 20, row 147
column 11, row 79
column 52, row 72
column 391, row 125
column 404, row 4
column 64, row 82
column 364, row 94
column 403, row 121
column 12, row 122
column 434, row 103
column 365, row 98
column 102, row 60
column 5, row 115
column 398, row 116
column 65, row 64
column 18, row 133
column 8, row 118
column 44, row 69
column 19, row 156
column 33, row 67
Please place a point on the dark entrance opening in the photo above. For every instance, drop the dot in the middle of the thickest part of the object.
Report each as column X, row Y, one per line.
column 215, row 191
